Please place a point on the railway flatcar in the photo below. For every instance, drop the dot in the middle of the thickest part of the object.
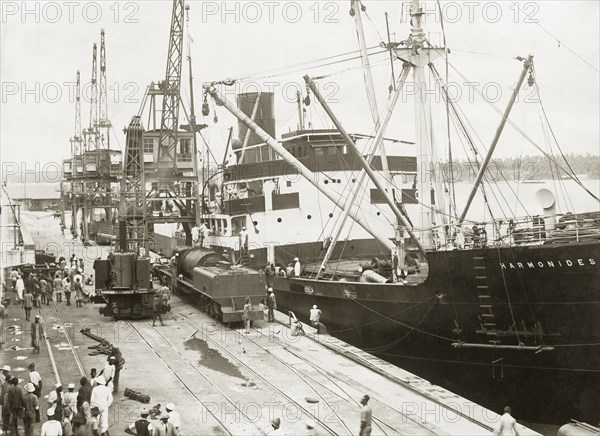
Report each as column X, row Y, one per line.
column 219, row 287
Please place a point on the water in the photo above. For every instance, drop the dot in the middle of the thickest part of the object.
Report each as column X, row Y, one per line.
column 212, row 359
column 508, row 199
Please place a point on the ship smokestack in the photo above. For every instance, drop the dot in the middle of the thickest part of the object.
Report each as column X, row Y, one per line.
column 264, row 116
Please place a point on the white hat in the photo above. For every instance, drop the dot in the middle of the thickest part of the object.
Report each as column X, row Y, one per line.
column 57, row 385
column 6, row 368
column 100, row 380
column 51, row 411
column 38, row 317
column 310, row 424
column 170, row 406
column 71, row 386
column 164, row 415
column 315, row 306
column 29, row 387
column 52, row 397
column 295, row 258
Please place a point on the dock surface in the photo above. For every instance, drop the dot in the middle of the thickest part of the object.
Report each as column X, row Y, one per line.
column 223, row 381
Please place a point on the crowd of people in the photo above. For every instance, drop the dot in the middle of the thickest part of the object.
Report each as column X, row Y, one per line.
column 38, row 288
column 84, row 412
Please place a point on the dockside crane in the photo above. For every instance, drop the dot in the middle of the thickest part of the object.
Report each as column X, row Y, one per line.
column 103, row 124
column 93, row 169
column 160, row 167
column 70, row 169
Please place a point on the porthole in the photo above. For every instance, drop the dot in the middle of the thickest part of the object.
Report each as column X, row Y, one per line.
column 279, row 220
column 309, row 217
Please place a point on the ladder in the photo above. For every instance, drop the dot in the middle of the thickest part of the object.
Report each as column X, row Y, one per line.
column 486, row 312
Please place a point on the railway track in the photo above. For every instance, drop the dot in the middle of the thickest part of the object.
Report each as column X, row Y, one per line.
column 283, row 395
column 348, row 398
column 340, row 394
column 225, row 426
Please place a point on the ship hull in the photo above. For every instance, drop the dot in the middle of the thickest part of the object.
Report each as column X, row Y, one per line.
column 544, row 297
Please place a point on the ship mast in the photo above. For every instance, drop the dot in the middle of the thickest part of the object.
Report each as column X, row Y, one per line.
column 356, row 11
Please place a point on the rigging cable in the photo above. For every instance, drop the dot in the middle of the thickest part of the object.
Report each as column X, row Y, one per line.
column 572, row 175
column 529, row 139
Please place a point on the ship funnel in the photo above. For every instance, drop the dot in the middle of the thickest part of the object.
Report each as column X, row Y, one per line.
column 260, row 106
column 547, row 200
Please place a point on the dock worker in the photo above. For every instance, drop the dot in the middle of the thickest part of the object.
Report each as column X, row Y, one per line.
column 157, row 309
column 102, row 399
column 67, row 427
column 28, row 304
column 51, row 427
column 57, row 284
column 246, row 314
column 78, row 288
column 174, row 417
column 165, row 296
column 195, row 234
column 243, row 237
column 37, row 333
column 14, row 403
column 32, row 409
column 35, row 379
column 269, row 273
column 70, row 397
column 4, row 402
column 204, row 231
column 297, row 267
column 20, row 288
column 174, row 272
column 108, row 372
column 366, row 416
column 271, row 305
column 5, row 372
column 507, row 425
column 84, row 394
column 94, row 421
column 315, row 316
column 166, row 428
column 141, row 427
column 119, row 363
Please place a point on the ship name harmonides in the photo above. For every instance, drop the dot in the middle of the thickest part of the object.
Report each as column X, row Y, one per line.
column 564, row 263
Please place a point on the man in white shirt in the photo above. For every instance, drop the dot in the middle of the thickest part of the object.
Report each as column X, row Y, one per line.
column 109, row 371
column 297, row 267
column 20, row 288
column 174, row 417
column 70, row 397
column 51, row 427
column 35, row 379
column 102, row 399
column 507, row 426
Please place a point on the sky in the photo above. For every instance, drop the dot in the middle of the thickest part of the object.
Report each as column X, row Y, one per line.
column 43, row 44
